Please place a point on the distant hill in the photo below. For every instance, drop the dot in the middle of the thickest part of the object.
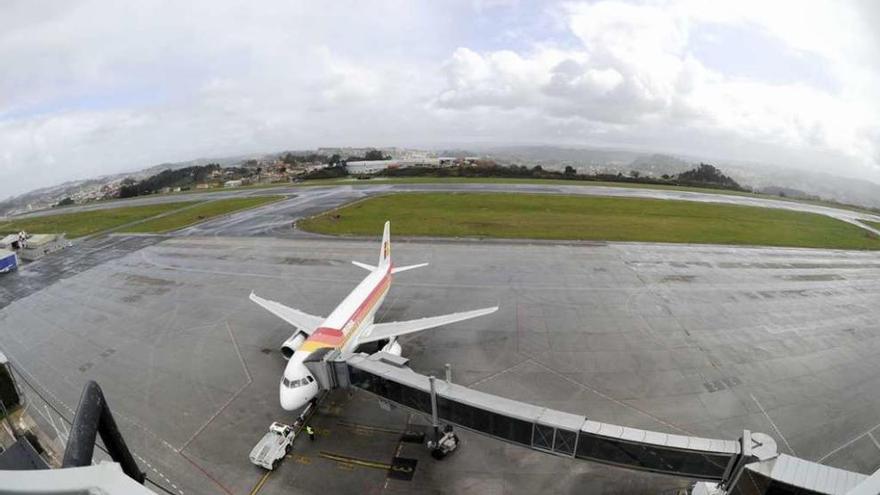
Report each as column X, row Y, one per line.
column 706, row 174
column 181, row 177
column 557, row 158
column 755, row 175
column 785, row 192
column 657, row 165
column 47, row 196
column 587, row 160
column 816, row 184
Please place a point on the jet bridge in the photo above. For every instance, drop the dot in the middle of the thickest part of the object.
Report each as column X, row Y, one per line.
column 747, row 466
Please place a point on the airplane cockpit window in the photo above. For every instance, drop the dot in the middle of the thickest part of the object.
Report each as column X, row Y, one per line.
column 298, row 382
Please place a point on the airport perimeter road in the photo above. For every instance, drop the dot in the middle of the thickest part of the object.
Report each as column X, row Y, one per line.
column 314, row 199
column 702, row 340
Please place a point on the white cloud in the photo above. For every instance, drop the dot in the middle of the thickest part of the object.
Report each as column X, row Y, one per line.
column 101, row 87
column 634, row 71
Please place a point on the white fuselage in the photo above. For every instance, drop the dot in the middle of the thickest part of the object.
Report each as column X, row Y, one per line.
column 340, row 330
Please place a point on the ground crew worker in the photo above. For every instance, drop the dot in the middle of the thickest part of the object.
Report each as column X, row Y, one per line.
column 311, row 432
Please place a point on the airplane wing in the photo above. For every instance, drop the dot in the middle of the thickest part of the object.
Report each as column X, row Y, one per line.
column 302, row 321
column 381, row 331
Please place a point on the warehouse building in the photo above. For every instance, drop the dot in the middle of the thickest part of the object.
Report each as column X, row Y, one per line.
column 38, row 245
column 13, row 242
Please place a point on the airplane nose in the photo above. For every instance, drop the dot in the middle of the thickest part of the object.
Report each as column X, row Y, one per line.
column 291, row 400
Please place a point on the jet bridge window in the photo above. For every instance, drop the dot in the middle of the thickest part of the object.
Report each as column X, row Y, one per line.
column 754, row 483
column 652, row 457
column 499, row 425
column 508, row 428
column 391, row 390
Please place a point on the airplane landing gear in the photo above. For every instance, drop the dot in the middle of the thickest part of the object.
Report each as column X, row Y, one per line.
column 444, row 444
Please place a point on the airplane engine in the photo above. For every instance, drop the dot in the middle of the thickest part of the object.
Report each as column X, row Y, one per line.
column 393, row 348
column 292, row 344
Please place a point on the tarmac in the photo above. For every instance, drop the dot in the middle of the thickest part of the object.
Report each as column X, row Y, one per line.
column 694, row 339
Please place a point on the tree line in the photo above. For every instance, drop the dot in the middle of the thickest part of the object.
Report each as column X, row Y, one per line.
column 181, row 177
column 704, row 175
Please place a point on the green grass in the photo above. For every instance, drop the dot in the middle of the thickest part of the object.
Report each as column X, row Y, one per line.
column 629, row 185
column 534, row 216
column 876, row 225
column 84, row 223
column 200, row 213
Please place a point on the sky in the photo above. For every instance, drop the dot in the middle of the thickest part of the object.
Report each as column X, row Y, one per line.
column 97, row 87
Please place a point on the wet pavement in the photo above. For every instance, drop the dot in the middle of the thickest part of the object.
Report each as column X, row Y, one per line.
column 702, row 340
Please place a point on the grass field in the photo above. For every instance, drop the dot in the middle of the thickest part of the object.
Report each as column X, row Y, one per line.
column 536, row 216
column 199, row 213
column 88, row 222
column 628, row 185
column 876, row 225
column 504, row 180
column 168, row 216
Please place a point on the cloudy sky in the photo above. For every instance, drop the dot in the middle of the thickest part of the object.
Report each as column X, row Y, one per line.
column 94, row 87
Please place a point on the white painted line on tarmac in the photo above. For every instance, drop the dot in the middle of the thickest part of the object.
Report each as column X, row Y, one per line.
column 775, row 428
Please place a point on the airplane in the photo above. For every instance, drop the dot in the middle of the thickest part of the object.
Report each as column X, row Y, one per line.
column 349, row 327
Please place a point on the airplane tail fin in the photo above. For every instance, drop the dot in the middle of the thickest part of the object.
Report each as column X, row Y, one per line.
column 385, row 255
column 385, row 248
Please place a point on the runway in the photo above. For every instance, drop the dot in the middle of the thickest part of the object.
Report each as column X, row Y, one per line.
column 703, row 340
column 309, row 200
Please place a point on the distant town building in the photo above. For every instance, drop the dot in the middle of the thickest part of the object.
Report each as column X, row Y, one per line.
column 233, row 183
column 373, row 166
column 203, row 186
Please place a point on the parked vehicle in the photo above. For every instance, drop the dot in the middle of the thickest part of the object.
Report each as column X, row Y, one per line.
column 8, row 261
column 274, row 445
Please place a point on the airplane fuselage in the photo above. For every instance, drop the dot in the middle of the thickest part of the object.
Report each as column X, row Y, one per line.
column 350, row 327
column 338, row 331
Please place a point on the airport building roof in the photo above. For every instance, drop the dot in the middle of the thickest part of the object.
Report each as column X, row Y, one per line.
column 38, row 240
column 9, row 239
